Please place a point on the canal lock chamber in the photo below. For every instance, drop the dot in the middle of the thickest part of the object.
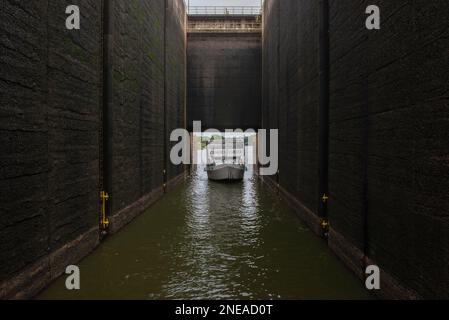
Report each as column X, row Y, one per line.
column 360, row 116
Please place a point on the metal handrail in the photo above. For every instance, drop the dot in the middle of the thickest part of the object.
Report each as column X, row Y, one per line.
column 221, row 10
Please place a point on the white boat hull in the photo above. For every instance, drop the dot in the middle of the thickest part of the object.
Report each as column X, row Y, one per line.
column 226, row 172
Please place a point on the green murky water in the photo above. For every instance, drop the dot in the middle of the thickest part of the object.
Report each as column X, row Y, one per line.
column 207, row 240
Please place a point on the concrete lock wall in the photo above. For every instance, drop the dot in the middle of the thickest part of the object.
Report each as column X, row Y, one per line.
column 224, row 79
column 290, row 96
column 50, row 84
column 388, row 126
column 176, row 80
column 148, row 103
column 52, row 123
column 387, row 133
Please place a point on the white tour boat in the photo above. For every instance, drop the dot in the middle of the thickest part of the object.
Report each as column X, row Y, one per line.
column 226, row 159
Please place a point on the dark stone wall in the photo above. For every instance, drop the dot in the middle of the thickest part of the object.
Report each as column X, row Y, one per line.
column 50, row 85
column 388, row 138
column 138, row 100
column 175, row 73
column 388, row 154
column 291, row 91
column 270, row 65
column 51, row 120
column 148, row 66
column 224, row 80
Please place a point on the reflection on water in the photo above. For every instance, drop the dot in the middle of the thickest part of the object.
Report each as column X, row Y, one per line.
column 221, row 231
column 208, row 240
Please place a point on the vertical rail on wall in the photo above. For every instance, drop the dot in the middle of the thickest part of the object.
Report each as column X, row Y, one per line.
column 106, row 192
column 364, row 170
column 101, row 104
column 186, row 167
column 165, row 158
column 324, row 116
column 264, row 100
column 278, row 100
column 262, row 106
column 365, row 199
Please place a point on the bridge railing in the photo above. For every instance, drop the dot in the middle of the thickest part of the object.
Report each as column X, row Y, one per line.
column 219, row 10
